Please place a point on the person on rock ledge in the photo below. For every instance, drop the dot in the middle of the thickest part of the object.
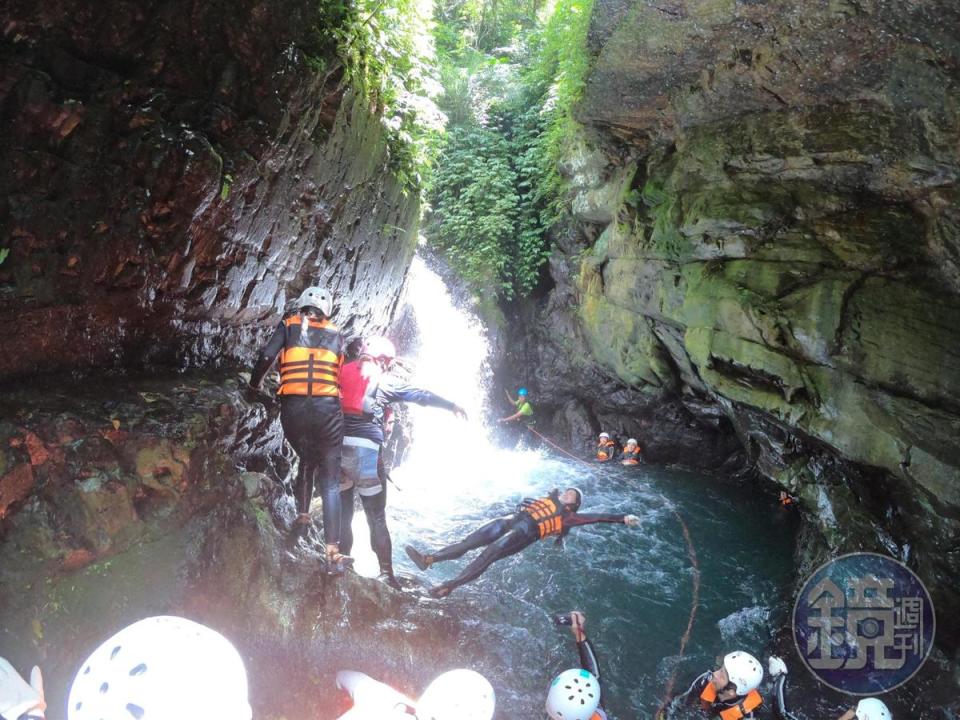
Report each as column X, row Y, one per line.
column 311, row 353
column 550, row 516
column 524, row 411
column 367, row 391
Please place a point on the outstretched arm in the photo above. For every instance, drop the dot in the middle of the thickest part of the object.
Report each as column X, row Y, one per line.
column 588, row 658
column 393, row 392
column 575, row 519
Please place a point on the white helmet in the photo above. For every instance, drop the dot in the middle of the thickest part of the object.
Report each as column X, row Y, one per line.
column 379, row 348
column 574, row 695
column 744, row 671
column 604, row 436
column 16, row 696
column 632, row 441
column 161, row 668
column 316, row 297
column 457, row 695
column 872, row 709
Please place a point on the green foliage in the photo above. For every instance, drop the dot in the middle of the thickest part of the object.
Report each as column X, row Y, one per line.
column 386, row 48
column 511, row 72
column 3, row 254
column 557, row 79
column 505, row 75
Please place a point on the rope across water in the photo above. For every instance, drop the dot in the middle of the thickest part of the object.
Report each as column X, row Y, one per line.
column 694, row 580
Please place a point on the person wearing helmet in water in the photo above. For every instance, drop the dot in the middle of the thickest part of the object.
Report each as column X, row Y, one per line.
column 524, row 410
column 161, row 668
column 865, row 709
column 575, row 694
column 311, row 354
column 731, row 690
column 367, row 390
column 631, row 453
column 606, row 448
column 550, row 516
column 20, row 700
column 455, row 695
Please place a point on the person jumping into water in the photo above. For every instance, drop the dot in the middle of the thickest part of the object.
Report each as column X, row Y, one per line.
column 367, row 391
column 551, row 516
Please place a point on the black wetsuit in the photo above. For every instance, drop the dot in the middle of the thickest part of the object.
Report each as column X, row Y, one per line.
column 370, row 427
column 590, row 663
column 313, row 425
column 507, row 536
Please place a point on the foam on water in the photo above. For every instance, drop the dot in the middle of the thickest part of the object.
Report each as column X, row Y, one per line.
column 633, row 584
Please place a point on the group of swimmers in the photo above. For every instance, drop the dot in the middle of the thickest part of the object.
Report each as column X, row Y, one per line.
column 609, row 450
column 333, row 415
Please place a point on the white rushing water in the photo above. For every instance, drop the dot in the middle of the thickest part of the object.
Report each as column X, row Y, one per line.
column 451, row 467
column 634, row 584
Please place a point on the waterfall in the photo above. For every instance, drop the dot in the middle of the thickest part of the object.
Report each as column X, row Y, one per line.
column 451, row 466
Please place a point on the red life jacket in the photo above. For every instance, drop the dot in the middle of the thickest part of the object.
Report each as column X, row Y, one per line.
column 358, row 384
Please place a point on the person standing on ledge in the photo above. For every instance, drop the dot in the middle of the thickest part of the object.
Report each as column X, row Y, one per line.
column 524, row 409
column 311, row 354
column 368, row 389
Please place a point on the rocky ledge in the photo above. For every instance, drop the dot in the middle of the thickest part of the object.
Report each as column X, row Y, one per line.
column 762, row 260
column 122, row 498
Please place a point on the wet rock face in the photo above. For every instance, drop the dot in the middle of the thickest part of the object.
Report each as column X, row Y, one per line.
column 177, row 172
column 772, row 245
column 168, row 496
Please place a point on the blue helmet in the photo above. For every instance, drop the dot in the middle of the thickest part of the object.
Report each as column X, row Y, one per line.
column 522, row 392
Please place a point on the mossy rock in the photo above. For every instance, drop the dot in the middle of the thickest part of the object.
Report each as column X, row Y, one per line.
column 904, row 338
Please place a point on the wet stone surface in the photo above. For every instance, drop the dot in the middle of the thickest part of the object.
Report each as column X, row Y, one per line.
column 130, row 497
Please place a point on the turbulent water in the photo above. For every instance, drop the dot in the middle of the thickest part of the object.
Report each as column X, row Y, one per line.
column 635, row 585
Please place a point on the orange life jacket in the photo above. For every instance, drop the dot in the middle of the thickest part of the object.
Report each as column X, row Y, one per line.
column 631, row 457
column 358, row 382
column 310, row 360
column 787, row 500
column 742, row 709
column 547, row 513
column 605, row 450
